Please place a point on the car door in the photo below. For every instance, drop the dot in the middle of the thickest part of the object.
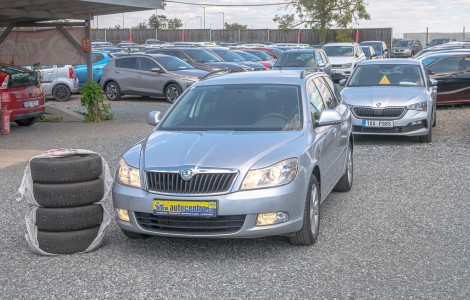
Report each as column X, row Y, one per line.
column 125, row 74
column 446, row 71
column 324, row 137
column 338, row 146
column 150, row 82
column 48, row 77
column 464, row 79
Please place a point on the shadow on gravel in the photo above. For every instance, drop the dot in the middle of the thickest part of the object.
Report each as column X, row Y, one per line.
column 378, row 140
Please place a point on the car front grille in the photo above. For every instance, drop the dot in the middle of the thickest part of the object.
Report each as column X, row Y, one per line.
column 336, row 66
column 202, row 183
column 196, row 225
column 382, row 113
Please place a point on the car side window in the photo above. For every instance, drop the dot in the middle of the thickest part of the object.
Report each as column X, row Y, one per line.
column 128, row 63
column 325, row 92
column 147, row 64
column 338, row 98
column 446, row 66
column 316, row 102
column 318, row 58
column 324, row 57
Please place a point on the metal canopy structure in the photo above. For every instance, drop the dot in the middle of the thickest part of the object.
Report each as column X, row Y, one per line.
column 34, row 13
column 31, row 11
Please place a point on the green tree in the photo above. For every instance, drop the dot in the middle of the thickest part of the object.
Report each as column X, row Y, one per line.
column 320, row 15
column 235, row 26
column 344, row 35
column 175, row 23
column 158, row 22
column 141, row 25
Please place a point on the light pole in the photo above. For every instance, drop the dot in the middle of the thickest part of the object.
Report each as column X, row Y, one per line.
column 210, row 25
column 200, row 20
column 204, row 14
column 223, row 19
column 122, row 20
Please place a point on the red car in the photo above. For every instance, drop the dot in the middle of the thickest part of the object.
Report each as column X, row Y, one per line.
column 22, row 99
column 274, row 53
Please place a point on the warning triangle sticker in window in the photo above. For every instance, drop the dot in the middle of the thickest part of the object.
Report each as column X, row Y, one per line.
column 384, row 80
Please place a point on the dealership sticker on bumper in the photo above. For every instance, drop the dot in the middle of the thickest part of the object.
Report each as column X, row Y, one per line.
column 376, row 123
column 185, row 208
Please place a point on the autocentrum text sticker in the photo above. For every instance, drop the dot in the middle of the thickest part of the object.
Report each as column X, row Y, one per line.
column 384, row 80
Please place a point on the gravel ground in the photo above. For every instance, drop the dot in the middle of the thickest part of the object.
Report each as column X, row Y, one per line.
column 401, row 233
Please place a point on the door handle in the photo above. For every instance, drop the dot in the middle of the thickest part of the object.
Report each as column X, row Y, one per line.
column 139, row 76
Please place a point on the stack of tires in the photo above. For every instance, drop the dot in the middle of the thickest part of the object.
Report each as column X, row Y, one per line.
column 66, row 213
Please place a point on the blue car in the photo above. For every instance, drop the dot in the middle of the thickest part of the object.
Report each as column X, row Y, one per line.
column 99, row 59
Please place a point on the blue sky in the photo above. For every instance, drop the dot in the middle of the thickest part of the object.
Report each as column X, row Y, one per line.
column 402, row 15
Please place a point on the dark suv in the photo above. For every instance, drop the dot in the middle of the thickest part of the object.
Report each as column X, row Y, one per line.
column 199, row 59
column 406, row 48
column 299, row 59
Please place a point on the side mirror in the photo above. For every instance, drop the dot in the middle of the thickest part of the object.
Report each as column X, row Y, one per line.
column 386, row 49
column 329, row 117
column 156, row 70
column 321, row 64
column 154, row 117
column 342, row 82
column 432, row 82
column 431, row 72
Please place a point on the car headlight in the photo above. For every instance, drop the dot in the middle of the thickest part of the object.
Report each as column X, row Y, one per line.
column 422, row 106
column 128, row 175
column 279, row 174
column 247, row 69
column 346, row 66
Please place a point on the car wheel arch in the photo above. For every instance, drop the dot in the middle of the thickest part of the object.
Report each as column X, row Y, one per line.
column 172, row 82
column 316, row 172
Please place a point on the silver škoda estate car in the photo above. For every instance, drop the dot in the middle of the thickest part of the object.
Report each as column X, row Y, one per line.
column 238, row 156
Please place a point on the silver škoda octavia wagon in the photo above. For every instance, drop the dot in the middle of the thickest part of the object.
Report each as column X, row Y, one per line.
column 239, row 156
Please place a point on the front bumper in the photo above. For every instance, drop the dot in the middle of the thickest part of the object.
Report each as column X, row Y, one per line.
column 289, row 198
column 338, row 74
column 400, row 54
column 412, row 123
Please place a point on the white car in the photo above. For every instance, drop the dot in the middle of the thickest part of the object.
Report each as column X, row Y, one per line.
column 344, row 57
column 58, row 81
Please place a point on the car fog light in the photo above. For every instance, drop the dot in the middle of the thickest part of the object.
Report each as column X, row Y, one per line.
column 415, row 123
column 123, row 215
column 272, row 218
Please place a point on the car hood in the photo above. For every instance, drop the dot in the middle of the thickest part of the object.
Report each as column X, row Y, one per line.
column 386, row 96
column 340, row 60
column 189, row 73
column 216, row 149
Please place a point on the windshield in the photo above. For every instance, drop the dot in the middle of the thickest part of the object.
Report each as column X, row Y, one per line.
column 403, row 43
column 239, row 107
column 429, row 60
column 277, row 51
column 377, row 46
column 366, row 51
column 261, row 54
column 386, row 75
column 172, row 63
column 339, row 50
column 248, row 56
column 293, row 59
column 201, row 56
column 229, row 55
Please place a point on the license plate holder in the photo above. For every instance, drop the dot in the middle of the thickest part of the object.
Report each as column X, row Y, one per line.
column 206, row 208
column 30, row 104
column 377, row 123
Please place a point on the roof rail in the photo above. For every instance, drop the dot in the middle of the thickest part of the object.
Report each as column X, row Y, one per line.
column 217, row 73
column 309, row 70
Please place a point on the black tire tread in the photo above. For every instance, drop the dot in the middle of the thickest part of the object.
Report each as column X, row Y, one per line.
column 67, row 242
column 74, row 168
column 426, row 138
column 68, row 194
column 343, row 184
column 303, row 237
column 69, row 219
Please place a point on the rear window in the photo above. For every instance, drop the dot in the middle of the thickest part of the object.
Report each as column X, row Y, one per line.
column 23, row 79
column 294, row 59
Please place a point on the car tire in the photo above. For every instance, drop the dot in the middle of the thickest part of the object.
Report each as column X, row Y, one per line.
column 112, row 91
column 434, row 119
column 308, row 234
column 61, row 93
column 346, row 181
column 426, row 138
column 67, row 169
column 67, row 242
column 26, row 122
column 172, row 92
column 134, row 235
column 69, row 219
column 68, row 194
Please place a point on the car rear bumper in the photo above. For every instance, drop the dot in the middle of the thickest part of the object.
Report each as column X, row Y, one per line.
column 244, row 205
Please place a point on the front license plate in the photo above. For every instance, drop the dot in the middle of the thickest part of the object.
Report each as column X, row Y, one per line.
column 185, row 208
column 376, row 123
column 29, row 104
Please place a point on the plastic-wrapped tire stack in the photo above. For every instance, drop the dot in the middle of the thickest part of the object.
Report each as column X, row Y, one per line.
column 65, row 190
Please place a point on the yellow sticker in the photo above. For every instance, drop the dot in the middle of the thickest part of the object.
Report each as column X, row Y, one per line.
column 384, row 80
